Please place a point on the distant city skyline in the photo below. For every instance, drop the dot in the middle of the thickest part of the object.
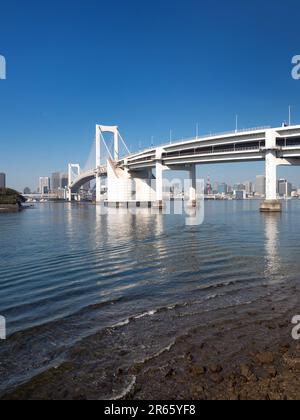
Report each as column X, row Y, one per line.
column 58, row 182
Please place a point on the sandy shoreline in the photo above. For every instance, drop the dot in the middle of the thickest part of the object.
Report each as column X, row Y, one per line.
column 246, row 353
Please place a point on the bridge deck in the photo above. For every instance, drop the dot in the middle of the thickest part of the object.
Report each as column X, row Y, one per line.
column 247, row 145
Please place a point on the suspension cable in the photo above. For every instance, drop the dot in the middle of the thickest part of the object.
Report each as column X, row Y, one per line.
column 125, row 145
column 108, row 151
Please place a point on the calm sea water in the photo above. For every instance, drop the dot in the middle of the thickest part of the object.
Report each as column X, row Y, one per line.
column 72, row 279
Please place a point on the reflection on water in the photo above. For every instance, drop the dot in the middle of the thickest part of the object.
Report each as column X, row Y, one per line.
column 273, row 262
column 70, row 271
column 70, row 255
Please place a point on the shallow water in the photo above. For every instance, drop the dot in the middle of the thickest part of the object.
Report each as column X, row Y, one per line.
column 111, row 291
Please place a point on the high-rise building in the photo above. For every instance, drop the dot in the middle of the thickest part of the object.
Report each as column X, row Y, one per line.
column 260, row 186
column 208, row 188
column 56, row 181
column 229, row 189
column 59, row 181
column 222, row 188
column 215, row 188
column 284, row 188
column 2, row 180
column 64, row 181
column 240, row 195
column 239, row 187
column 44, row 185
column 249, row 187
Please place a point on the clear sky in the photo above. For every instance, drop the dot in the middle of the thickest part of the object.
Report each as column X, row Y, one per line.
column 146, row 65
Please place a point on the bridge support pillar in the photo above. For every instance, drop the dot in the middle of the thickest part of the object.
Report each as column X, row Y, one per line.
column 144, row 190
column 119, row 184
column 98, row 188
column 69, row 195
column 159, row 203
column 193, row 187
column 98, row 163
column 271, row 204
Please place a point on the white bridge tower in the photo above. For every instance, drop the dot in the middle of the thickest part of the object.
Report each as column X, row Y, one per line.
column 100, row 129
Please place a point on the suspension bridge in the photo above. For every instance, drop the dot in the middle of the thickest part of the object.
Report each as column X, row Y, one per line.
column 138, row 177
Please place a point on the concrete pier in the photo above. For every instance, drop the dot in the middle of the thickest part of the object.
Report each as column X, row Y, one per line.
column 128, row 204
column 272, row 206
column 159, row 204
column 193, row 187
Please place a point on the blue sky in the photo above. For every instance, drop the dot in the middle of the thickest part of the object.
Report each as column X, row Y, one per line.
column 147, row 66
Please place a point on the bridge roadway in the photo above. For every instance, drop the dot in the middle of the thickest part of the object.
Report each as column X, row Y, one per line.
column 222, row 148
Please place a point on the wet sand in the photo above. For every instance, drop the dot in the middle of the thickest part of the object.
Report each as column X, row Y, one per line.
column 233, row 354
column 256, row 360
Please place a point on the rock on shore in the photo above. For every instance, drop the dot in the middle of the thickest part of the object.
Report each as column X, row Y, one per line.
column 10, row 201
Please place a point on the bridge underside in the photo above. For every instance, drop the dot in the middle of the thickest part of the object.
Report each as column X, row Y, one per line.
column 79, row 184
column 180, row 163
